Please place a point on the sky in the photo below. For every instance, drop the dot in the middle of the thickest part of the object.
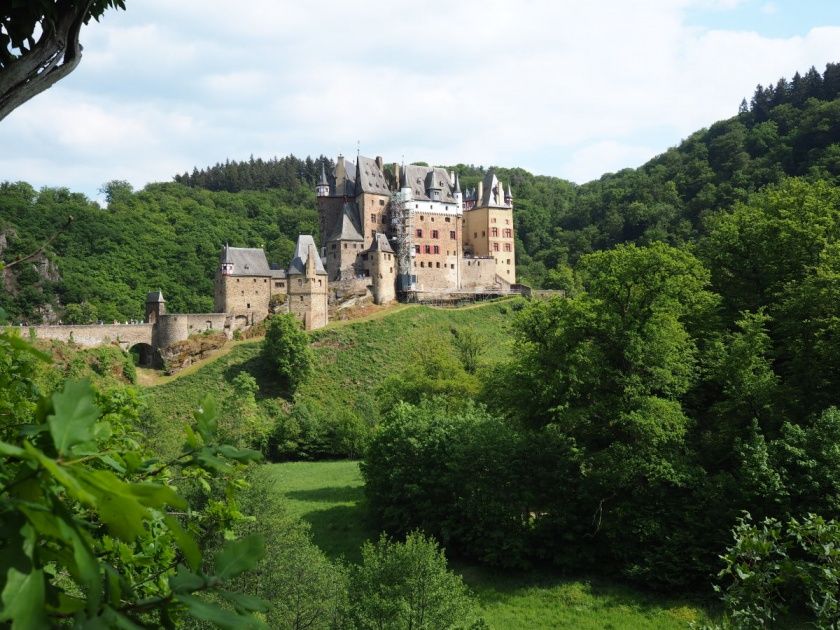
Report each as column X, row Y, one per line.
column 572, row 89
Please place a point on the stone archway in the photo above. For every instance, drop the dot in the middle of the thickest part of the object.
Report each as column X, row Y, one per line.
column 144, row 355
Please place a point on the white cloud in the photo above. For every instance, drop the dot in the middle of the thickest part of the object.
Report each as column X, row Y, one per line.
column 566, row 88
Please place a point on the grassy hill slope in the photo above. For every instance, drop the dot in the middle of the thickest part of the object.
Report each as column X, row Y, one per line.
column 352, row 361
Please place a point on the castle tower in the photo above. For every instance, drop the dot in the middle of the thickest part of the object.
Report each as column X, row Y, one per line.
column 382, row 268
column 344, row 245
column 155, row 306
column 488, row 227
column 459, row 197
column 307, row 283
column 323, row 187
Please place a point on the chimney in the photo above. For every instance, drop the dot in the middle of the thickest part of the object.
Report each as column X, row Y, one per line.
column 396, row 176
column 379, row 162
column 480, row 194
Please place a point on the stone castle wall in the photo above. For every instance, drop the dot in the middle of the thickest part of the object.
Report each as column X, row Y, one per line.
column 90, row 335
column 478, row 273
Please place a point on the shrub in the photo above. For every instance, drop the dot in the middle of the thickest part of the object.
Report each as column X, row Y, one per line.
column 407, row 585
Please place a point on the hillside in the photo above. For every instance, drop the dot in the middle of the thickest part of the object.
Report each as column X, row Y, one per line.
column 168, row 236
column 353, row 360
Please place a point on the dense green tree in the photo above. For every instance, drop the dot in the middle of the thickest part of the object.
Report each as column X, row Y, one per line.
column 286, row 350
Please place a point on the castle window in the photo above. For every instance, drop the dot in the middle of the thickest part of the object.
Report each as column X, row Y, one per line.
column 381, row 202
column 419, row 232
column 495, row 247
column 428, row 249
column 432, row 219
column 447, row 219
column 475, row 234
column 390, row 270
column 237, row 279
column 243, row 293
column 416, row 249
column 452, row 266
column 494, row 232
column 265, row 280
column 435, row 233
column 493, row 220
column 508, row 233
column 319, row 282
column 422, row 264
column 345, row 245
column 437, row 265
column 300, row 282
column 248, row 305
column 483, row 233
column 437, row 249
column 507, row 221
column 301, row 298
column 452, row 234
column 508, row 261
column 333, row 246
column 373, row 218
column 507, row 247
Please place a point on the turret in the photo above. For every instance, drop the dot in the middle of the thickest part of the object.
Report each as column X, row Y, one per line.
column 508, row 196
column 405, row 187
column 459, row 197
column 155, row 306
column 226, row 264
column 323, row 187
column 433, row 188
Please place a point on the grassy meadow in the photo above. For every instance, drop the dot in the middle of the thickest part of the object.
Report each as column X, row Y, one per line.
column 330, row 497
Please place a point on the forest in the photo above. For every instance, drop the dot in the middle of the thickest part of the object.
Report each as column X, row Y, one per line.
column 672, row 421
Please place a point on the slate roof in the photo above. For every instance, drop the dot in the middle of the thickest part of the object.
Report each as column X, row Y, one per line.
column 419, row 177
column 277, row 273
column 322, row 181
column 349, row 184
column 494, row 194
column 247, row 261
column 154, row 296
column 370, row 178
column 346, row 228
column 305, row 246
column 381, row 244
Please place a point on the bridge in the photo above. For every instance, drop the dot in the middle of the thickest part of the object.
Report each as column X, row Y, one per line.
column 90, row 335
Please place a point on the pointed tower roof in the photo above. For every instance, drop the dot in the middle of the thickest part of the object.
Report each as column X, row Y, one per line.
column 323, row 180
column 347, row 229
column 304, row 250
column 457, row 183
column 154, row 297
column 380, row 244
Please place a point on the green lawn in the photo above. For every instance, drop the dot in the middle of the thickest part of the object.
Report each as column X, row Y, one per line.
column 329, row 496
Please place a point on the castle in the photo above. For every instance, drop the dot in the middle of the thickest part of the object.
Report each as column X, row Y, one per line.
column 443, row 240
column 410, row 233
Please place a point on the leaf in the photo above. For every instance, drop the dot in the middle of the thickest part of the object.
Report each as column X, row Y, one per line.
column 205, row 418
column 74, row 416
column 115, row 503
column 62, row 475
column 185, row 581
column 238, row 556
column 187, row 544
column 245, row 603
column 19, row 344
column 202, row 609
column 23, row 600
column 9, row 450
column 157, row 495
column 240, row 454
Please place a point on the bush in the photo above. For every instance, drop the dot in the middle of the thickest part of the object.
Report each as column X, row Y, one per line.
column 407, row 585
column 286, row 349
column 455, row 472
column 772, row 564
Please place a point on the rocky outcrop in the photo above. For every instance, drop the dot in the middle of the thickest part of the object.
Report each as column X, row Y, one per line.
column 182, row 353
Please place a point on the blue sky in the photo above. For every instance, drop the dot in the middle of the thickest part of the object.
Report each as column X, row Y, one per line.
column 572, row 89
